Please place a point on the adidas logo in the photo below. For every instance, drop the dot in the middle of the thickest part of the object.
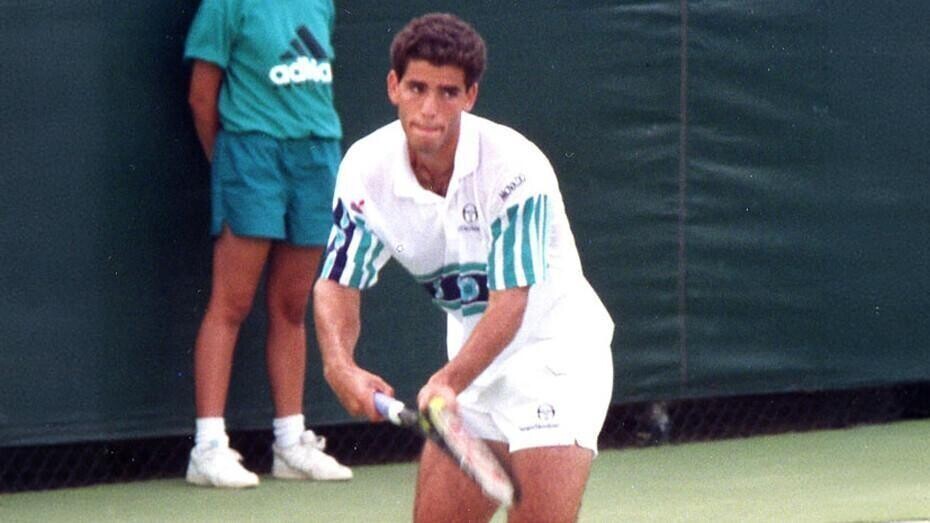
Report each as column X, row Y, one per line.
column 306, row 61
column 302, row 70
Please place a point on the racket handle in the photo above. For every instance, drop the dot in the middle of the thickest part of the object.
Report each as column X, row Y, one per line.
column 390, row 408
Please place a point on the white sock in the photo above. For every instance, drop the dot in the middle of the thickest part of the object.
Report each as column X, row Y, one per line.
column 287, row 430
column 211, row 432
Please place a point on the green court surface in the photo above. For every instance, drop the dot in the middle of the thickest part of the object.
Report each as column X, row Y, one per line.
column 864, row 474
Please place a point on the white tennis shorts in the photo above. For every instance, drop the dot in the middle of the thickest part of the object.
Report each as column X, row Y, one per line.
column 554, row 392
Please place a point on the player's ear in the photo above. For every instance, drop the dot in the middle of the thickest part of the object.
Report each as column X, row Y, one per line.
column 393, row 87
column 471, row 96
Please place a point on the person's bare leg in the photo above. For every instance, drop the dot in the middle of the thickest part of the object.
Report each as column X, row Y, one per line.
column 445, row 494
column 237, row 268
column 291, row 273
column 552, row 482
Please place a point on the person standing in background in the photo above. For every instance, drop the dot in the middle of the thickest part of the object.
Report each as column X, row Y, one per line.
column 262, row 101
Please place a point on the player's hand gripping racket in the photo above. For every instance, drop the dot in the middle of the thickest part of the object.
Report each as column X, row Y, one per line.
column 445, row 428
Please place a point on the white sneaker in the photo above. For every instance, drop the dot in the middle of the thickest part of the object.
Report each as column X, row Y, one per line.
column 306, row 460
column 219, row 466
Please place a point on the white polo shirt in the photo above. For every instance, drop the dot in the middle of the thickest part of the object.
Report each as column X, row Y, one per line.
column 502, row 224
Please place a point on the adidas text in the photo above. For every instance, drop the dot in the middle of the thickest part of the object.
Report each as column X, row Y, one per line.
column 302, row 70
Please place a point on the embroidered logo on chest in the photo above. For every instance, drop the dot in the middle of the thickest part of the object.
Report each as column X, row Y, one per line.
column 470, row 216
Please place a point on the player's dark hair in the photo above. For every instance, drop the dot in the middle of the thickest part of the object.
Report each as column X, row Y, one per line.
column 440, row 39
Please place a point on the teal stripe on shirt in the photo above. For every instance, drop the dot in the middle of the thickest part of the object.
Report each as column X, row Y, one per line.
column 337, row 238
column 359, row 263
column 454, row 268
column 509, row 246
column 526, row 251
column 370, row 269
column 492, row 259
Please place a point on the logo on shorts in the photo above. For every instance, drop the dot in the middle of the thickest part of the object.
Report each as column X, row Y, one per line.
column 357, row 206
column 545, row 418
column 545, row 412
column 306, row 61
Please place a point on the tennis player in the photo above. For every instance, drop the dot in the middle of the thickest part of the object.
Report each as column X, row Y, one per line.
column 472, row 210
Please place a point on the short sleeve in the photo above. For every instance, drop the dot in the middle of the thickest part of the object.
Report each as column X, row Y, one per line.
column 520, row 215
column 212, row 33
column 519, row 240
column 354, row 254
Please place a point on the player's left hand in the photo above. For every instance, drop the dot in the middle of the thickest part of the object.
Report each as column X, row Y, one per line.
column 436, row 386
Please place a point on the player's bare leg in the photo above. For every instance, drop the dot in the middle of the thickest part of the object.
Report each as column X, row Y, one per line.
column 445, row 493
column 291, row 273
column 237, row 268
column 551, row 481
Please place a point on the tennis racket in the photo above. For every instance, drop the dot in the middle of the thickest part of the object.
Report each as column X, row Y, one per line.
column 445, row 428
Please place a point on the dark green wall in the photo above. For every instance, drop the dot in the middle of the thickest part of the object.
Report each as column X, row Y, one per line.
column 808, row 190
column 771, row 236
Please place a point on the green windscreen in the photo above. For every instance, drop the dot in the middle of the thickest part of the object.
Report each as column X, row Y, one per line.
column 748, row 184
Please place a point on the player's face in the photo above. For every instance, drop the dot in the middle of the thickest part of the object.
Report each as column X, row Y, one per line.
column 430, row 100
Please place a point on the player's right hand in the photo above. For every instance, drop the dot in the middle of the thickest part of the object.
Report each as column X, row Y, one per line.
column 435, row 388
column 355, row 386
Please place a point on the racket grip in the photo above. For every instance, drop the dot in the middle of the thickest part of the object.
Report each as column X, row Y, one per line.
column 389, row 407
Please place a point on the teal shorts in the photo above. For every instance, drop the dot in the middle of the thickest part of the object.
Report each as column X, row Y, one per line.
column 264, row 187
